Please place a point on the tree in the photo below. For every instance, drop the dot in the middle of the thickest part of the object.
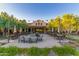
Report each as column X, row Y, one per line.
column 8, row 23
column 55, row 24
column 58, row 24
column 68, row 21
column 76, row 26
column 5, row 19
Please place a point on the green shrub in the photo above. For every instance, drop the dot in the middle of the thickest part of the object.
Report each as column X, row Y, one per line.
column 4, row 54
column 11, row 51
column 33, row 51
column 2, row 50
column 45, row 51
column 64, row 51
column 22, row 51
column 37, row 51
column 61, row 51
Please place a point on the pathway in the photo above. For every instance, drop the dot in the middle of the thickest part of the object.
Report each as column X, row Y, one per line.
column 48, row 41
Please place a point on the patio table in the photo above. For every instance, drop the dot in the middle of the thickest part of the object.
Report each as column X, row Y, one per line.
column 60, row 37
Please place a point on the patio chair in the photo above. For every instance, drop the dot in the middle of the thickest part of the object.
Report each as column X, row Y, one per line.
column 23, row 39
column 60, row 37
column 31, row 40
column 39, row 38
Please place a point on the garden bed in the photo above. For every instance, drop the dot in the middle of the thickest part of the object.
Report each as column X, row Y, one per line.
column 73, row 37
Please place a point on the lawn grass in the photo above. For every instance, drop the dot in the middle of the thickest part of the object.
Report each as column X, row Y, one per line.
column 76, row 37
column 38, row 51
column 12, row 51
column 60, row 51
column 3, row 37
column 9, row 51
column 73, row 37
column 65, row 51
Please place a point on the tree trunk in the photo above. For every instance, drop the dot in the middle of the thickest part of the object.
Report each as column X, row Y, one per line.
column 3, row 32
column 20, row 30
column 14, row 29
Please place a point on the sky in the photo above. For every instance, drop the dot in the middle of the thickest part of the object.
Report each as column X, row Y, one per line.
column 35, row 11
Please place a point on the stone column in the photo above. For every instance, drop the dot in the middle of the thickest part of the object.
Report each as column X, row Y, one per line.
column 31, row 30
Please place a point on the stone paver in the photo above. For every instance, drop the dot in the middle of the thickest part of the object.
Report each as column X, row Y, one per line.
column 48, row 42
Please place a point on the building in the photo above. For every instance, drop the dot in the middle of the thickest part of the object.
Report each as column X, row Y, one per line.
column 37, row 26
